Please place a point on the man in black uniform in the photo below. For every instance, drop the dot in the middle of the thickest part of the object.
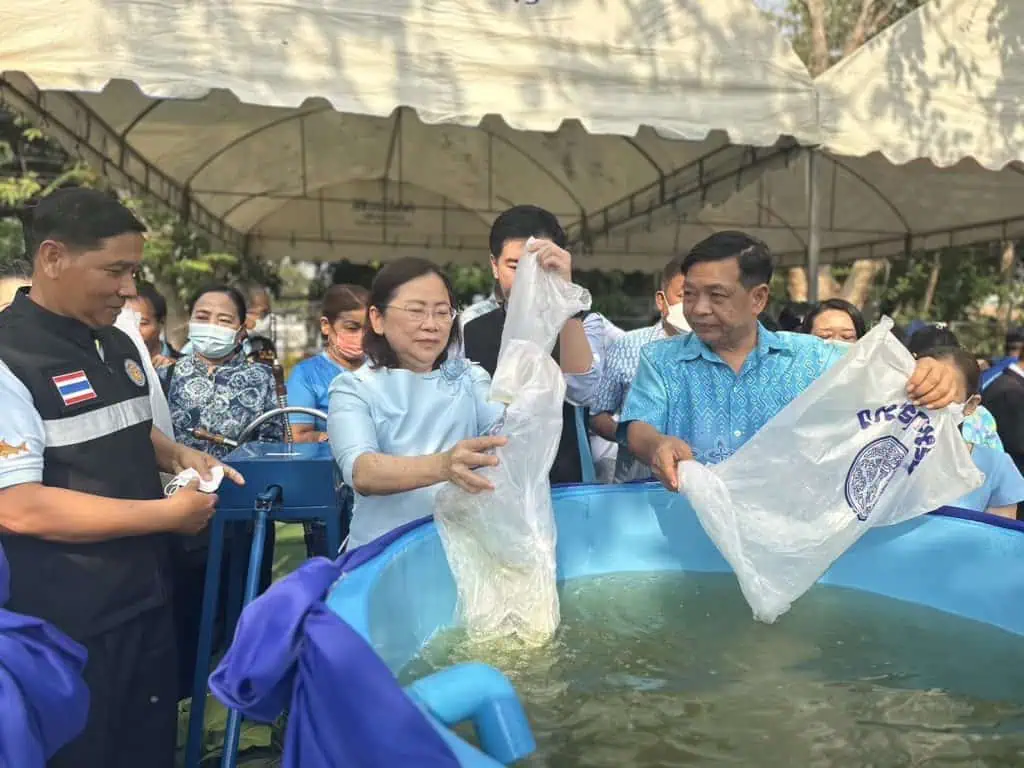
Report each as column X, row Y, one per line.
column 482, row 335
column 83, row 520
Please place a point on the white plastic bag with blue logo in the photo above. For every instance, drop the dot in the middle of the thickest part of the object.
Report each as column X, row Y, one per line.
column 501, row 544
column 849, row 454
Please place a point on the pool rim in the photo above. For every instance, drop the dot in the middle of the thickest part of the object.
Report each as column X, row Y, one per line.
column 348, row 595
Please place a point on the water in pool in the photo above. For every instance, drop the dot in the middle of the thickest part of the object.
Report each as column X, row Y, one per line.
column 670, row 670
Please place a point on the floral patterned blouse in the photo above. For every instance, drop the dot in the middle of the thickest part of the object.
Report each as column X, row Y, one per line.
column 223, row 401
column 980, row 429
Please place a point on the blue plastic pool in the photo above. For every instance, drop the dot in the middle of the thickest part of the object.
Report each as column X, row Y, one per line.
column 948, row 561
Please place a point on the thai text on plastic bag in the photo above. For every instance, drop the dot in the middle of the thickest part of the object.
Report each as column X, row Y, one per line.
column 501, row 544
column 850, row 453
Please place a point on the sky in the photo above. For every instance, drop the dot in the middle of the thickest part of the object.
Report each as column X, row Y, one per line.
column 770, row 5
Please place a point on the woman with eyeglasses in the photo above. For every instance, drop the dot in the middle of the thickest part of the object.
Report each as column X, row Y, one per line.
column 411, row 419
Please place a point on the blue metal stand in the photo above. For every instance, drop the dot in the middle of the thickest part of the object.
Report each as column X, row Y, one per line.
column 284, row 483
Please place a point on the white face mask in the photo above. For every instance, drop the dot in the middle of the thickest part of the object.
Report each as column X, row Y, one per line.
column 262, row 326
column 676, row 318
column 212, row 341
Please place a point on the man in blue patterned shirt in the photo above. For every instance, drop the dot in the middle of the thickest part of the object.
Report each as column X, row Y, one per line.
column 702, row 395
column 622, row 359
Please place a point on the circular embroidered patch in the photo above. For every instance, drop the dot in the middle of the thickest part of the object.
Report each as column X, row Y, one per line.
column 135, row 373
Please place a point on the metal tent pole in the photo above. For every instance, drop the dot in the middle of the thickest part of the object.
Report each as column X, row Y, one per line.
column 813, row 226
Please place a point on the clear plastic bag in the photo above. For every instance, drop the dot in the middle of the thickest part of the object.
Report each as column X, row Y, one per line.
column 501, row 544
column 849, row 454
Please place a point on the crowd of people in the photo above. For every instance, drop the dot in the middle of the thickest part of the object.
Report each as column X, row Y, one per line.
column 100, row 411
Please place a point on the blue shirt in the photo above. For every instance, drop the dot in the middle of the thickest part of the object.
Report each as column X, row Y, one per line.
column 308, row 388
column 621, row 361
column 620, row 365
column 1003, row 484
column 401, row 413
column 685, row 390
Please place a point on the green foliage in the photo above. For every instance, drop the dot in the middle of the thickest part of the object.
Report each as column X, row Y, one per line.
column 178, row 258
column 12, row 245
column 967, row 277
column 841, row 17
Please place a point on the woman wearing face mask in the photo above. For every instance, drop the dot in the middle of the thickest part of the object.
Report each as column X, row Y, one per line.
column 410, row 420
column 213, row 389
column 342, row 319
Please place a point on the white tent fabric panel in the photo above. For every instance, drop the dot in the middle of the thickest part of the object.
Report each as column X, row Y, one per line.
column 944, row 83
column 870, row 208
column 613, row 66
column 371, row 128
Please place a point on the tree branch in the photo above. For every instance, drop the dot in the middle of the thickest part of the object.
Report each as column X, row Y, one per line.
column 881, row 19
column 858, row 33
column 819, row 59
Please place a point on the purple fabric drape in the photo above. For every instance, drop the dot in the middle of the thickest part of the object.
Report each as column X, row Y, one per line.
column 345, row 708
column 44, row 702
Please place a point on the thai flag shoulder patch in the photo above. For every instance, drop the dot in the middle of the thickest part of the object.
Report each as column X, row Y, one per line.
column 74, row 388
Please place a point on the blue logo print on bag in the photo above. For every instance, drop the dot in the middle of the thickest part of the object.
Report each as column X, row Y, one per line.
column 876, row 463
column 871, row 472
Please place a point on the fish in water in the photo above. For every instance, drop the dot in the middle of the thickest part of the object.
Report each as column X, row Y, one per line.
column 7, row 450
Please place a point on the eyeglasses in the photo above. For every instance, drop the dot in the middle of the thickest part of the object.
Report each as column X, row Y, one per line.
column 443, row 315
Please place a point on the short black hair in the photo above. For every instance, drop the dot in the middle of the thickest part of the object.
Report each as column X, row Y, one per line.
column 80, row 218
column 962, row 359
column 524, row 221
column 383, row 289
column 752, row 255
column 149, row 293
column 769, row 322
column 232, row 293
column 791, row 316
column 934, row 336
column 836, row 305
column 17, row 269
column 672, row 270
column 343, row 297
column 1014, row 336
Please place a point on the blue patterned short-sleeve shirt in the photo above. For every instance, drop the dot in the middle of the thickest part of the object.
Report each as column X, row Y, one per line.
column 621, row 360
column 685, row 390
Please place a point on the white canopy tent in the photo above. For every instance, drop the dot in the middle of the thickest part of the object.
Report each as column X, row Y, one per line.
column 944, row 84
column 370, row 128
